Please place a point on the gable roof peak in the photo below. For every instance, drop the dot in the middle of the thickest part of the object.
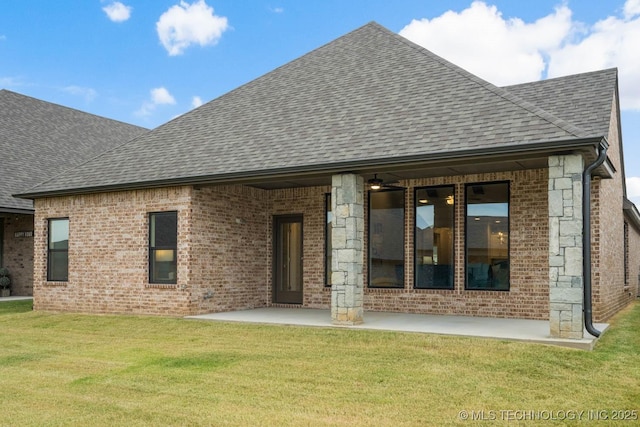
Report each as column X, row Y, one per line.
column 369, row 96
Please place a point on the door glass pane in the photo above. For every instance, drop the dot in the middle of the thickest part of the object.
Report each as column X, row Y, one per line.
column 386, row 239
column 290, row 256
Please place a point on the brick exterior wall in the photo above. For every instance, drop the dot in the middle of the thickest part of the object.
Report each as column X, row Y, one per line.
column 230, row 249
column 108, row 253
column 610, row 294
column 528, row 297
column 310, row 203
column 633, row 283
column 225, row 247
column 18, row 253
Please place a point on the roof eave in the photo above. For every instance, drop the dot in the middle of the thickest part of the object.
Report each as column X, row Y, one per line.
column 587, row 146
column 631, row 212
column 16, row 211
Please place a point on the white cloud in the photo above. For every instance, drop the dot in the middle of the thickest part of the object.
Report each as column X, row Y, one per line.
column 507, row 51
column 117, row 11
column 633, row 189
column 196, row 101
column 480, row 40
column 87, row 93
column 186, row 24
column 277, row 10
column 631, row 8
column 611, row 42
column 159, row 96
column 9, row 82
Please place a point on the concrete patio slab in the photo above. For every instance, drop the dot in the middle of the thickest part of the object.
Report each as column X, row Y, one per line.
column 536, row 331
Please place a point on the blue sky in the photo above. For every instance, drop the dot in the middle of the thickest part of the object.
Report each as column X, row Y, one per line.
column 145, row 62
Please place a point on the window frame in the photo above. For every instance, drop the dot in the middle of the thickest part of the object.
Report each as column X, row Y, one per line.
column 327, row 240
column 626, row 253
column 415, row 237
column 1, row 242
column 152, row 249
column 466, row 235
column 404, row 230
column 50, row 250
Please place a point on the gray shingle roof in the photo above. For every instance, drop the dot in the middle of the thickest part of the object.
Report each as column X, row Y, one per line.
column 582, row 99
column 39, row 140
column 369, row 95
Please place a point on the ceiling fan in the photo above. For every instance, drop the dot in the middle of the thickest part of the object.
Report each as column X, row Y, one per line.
column 376, row 183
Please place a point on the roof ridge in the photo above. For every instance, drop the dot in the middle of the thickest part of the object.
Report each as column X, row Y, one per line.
column 568, row 76
column 503, row 93
column 42, row 101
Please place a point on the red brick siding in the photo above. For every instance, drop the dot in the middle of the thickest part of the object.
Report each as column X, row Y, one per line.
column 529, row 248
column 108, row 253
column 225, row 251
column 609, row 291
column 634, row 260
column 228, row 266
column 310, row 203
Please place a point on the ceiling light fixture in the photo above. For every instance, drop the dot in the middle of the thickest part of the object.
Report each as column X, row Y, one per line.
column 375, row 183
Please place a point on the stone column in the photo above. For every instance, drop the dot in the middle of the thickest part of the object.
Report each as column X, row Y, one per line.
column 347, row 243
column 565, row 246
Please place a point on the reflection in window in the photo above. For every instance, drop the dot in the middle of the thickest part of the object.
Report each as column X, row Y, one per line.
column 163, row 247
column 487, row 236
column 327, row 240
column 386, row 239
column 434, row 237
column 58, row 250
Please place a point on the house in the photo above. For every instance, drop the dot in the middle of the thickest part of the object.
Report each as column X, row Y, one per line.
column 367, row 175
column 39, row 140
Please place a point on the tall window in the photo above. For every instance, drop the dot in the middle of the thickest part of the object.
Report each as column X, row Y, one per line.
column 487, row 236
column 386, row 239
column 626, row 253
column 1, row 239
column 433, row 247
column 327, row 240
column 163, row 247
column 58, row 250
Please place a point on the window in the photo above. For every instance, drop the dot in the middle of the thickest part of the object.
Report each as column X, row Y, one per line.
column 626, row 253
column 433, row 248
column 58, row 250
column 487, row 236
column 386, row 239
column 327, row 240
column 1, row 239
column 163, row 247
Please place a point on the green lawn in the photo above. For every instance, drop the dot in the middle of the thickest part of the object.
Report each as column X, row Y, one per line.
column 70, row 369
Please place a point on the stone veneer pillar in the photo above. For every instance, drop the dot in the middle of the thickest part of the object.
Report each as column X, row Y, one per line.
column 565, row 246
column 347, row 243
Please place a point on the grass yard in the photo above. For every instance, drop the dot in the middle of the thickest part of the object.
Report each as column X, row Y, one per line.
column 71, row 369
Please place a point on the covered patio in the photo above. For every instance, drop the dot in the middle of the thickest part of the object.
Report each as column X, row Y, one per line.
column 535, row 331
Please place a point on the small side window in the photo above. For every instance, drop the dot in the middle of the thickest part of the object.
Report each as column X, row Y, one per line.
column 163, row 247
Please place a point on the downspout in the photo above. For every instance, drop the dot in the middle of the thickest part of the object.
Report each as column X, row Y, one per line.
column 586, row 238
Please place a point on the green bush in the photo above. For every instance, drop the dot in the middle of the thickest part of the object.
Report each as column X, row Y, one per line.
column 5, row 282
